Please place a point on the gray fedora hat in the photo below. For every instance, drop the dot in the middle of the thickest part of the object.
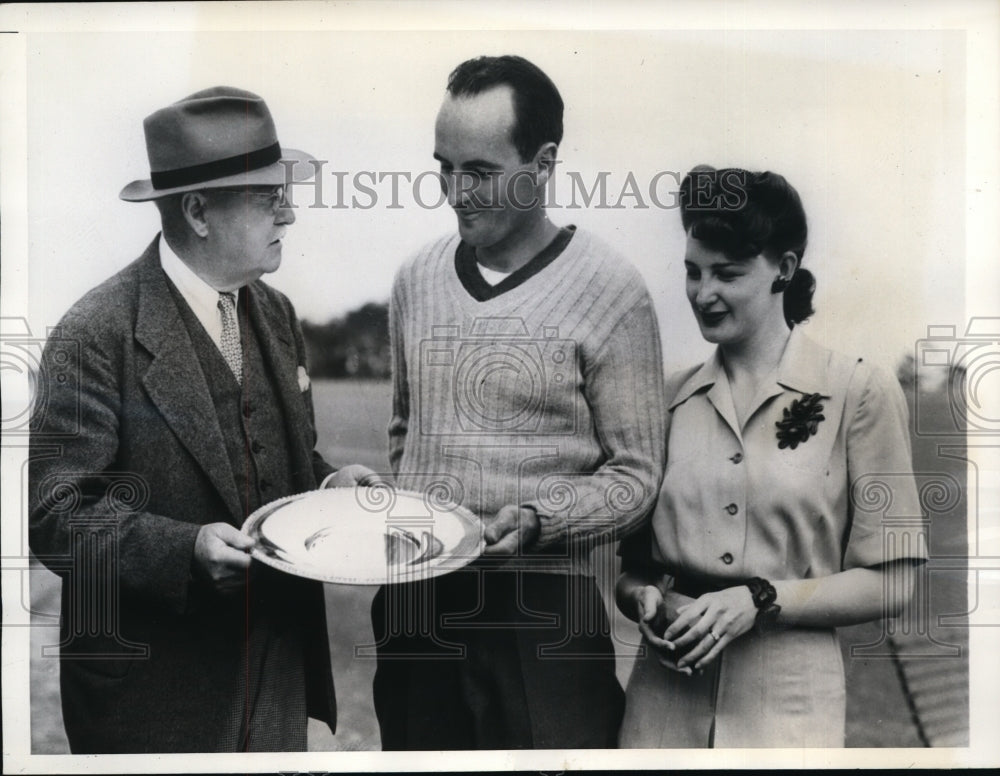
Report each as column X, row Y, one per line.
column 215, row 138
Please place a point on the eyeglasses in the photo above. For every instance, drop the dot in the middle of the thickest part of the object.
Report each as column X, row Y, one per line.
column 273, row 198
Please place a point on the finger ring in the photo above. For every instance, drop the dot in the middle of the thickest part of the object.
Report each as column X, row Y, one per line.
column 714, row 637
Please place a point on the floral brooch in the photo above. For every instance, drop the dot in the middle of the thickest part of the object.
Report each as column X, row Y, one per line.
column 799, row 422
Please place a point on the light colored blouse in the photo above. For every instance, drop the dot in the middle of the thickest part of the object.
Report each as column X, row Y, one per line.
column 735, row 505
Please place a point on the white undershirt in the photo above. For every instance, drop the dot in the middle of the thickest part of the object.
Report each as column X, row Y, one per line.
column 200, row 296
column 492, row 276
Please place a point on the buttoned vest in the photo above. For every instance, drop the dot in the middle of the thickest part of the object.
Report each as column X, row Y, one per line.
column 250, row 416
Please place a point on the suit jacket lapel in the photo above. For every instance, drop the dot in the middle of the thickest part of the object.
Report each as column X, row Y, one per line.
column 176, row 384
column 280, row 355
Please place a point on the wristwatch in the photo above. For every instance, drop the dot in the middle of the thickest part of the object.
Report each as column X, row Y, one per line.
column 764, row 596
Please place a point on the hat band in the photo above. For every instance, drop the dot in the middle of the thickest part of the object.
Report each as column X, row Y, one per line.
column 220, row 168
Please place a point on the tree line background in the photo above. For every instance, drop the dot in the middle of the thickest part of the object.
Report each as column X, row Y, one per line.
column 353, row 346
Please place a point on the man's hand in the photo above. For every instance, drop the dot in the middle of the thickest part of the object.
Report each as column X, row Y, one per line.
column 220, row 557
column 353, row 475
column 513, row 528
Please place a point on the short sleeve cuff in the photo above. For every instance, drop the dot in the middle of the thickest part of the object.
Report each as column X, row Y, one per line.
column 890, row 543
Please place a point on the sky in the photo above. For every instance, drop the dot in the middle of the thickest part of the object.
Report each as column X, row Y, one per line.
column 868, row 125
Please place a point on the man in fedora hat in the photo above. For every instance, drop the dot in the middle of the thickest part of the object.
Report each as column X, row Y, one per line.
column 176, row 402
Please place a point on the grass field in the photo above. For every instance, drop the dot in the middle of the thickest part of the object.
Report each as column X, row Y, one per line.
column 351, row 421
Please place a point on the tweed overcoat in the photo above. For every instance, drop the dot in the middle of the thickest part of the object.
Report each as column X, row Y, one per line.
column 127, row 463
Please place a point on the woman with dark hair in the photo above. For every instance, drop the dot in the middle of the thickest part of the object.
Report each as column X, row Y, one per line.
column 766, row 536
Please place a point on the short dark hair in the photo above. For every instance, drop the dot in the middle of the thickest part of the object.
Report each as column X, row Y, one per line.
column 742, row 214
column 538, row 107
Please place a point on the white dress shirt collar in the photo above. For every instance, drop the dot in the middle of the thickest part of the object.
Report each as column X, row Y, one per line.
column 200, row 296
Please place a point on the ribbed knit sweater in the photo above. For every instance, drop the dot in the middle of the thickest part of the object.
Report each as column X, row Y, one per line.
column 549, row 395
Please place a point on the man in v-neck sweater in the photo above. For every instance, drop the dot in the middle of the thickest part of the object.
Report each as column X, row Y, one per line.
column 528, row 387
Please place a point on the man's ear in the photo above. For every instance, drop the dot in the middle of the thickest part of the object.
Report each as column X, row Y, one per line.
column 545, row 163
column 194, row 205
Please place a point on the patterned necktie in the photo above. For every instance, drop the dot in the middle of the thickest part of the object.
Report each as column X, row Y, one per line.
column 230, row 345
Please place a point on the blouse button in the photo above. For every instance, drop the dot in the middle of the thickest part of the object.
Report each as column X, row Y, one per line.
column 732, row 509
column 727, row 558
column 736, row 458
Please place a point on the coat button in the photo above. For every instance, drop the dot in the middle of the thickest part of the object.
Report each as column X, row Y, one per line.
column 732, row 509
column 727, row 558
column 736, row 458
column 265, row 484
column 256, row 446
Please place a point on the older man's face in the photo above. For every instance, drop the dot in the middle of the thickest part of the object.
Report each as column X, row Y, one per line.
column 245, row 234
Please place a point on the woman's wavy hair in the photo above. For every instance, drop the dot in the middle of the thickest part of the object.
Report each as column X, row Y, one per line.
column 743, row 214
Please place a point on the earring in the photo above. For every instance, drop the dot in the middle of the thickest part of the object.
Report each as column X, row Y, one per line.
column 779, row 285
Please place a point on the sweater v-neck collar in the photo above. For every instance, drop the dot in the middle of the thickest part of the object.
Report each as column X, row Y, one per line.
column 477, row 287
